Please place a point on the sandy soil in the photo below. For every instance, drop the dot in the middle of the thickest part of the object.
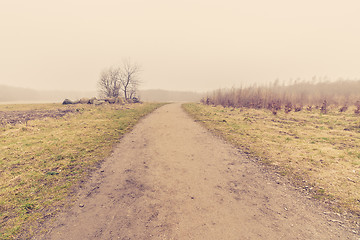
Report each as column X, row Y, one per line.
column 172, row 179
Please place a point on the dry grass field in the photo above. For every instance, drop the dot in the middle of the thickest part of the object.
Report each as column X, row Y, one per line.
column 319, row 153
column 53, row 149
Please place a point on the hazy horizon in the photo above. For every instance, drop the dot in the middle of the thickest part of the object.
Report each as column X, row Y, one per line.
column 10, row 94
column 181, row 46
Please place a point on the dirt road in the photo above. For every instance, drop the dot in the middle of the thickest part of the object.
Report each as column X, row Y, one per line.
column 171, row 179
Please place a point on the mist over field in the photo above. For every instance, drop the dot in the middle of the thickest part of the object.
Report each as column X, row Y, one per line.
column 181, row 46
column 16, row 94
column 26, row 95
column 170, row 96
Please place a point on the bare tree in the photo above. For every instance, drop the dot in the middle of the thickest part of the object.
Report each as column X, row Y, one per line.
column 110, row 82
column 124, row 79
column 129, row 78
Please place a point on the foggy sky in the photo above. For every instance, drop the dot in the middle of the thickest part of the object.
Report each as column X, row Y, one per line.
column 181, row 45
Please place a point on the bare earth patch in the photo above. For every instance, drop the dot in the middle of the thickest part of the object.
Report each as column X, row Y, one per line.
column 14, row 117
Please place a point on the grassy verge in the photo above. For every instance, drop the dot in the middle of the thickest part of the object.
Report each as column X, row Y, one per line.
column 41, row 160
column 319, row 153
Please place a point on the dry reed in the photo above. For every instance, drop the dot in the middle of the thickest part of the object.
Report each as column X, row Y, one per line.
column 294, row 97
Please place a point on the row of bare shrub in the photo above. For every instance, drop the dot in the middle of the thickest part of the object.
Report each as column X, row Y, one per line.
column 294, row 97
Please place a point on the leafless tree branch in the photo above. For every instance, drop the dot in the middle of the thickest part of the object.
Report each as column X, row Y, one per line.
column 124, row 79
column 130, row 78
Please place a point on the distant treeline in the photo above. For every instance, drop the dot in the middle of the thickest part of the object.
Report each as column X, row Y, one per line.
column 17, row 94
column 169, row 96
column 296, row 95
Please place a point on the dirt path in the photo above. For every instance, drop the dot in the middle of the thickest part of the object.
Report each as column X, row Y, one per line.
column 171, row 179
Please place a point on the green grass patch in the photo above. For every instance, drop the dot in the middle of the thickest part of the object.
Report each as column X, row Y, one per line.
column 313, row 150
column 41, row 161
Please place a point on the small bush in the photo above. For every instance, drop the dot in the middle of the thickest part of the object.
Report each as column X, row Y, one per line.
column 343, row 109
column 288, row 107
column 323, row 108
column 298, row 108
column 357, row 105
